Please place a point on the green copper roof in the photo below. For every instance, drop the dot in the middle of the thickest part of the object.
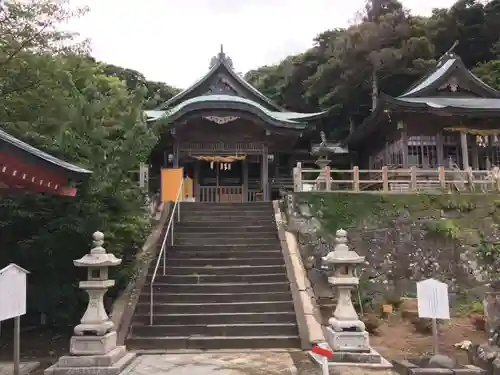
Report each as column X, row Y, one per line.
column 231, row 102
column 451, row 103
column 448, row 65
column 221, row 63
column 35, row 153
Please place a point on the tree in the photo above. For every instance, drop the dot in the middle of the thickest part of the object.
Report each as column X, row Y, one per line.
column 59, row 100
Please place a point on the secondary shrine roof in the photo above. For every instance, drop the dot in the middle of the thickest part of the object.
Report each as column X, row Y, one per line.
column 224, row 89
column 32, row 166
column 448, row 89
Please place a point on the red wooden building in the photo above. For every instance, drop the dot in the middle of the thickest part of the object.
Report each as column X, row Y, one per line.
column 25, row 167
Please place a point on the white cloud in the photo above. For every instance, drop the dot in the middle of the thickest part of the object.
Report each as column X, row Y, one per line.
column 173, row 40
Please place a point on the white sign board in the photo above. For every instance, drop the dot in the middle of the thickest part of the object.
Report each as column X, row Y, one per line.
column 12, row 291
column 433, row 299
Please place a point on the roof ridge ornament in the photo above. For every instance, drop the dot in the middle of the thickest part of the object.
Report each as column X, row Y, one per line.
column 221, row 57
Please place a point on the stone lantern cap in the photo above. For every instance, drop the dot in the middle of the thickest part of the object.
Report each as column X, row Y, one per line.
column 341, row 253
column 97, row 256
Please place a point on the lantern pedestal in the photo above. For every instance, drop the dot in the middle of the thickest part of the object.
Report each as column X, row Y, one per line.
column 93, row 346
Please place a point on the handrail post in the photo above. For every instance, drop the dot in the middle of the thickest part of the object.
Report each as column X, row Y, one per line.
column 413, row 178
column 442, row 177
column 385, row 179
column 355, row 180
column 297, row 177
column 328, row 178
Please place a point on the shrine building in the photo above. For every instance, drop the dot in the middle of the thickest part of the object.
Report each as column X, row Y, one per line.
column 230, row 139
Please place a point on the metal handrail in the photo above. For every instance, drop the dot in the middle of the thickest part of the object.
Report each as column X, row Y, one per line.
column 162, row 253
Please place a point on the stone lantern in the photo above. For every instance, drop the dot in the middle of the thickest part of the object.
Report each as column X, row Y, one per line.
column 345, row 333
column 322, row 162
column 93, row 345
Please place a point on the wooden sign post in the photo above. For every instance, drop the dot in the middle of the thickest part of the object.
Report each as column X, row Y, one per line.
column 433, row 303
column 13, row 297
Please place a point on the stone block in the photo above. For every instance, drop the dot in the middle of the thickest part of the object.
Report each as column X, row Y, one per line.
column 93, row 360
column 114, row 369
column 93, row 345
column 469, row 370
column 421, row 366
column 347, row 341
column 371, row 359
column 403, row 367
column 430, row 371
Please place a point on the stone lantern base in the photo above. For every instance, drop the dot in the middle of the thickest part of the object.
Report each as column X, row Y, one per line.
column 370, row 359
column 88, row 359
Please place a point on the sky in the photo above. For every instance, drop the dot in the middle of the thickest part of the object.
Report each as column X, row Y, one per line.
column 172, row 41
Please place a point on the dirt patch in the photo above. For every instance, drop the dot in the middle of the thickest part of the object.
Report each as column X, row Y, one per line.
column 397, row 339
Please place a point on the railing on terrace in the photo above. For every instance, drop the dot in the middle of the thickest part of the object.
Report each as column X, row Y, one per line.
column 175, row 215
column 395, row 180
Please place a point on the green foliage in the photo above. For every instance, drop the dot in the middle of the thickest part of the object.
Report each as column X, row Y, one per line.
column 444, row 227
column 61, row 101
column 390, row 42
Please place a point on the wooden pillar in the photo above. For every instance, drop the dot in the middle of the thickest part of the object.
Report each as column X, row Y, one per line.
column 245, row 180
column 475, row 154
column 176, row 154
column 264, row 176
column 197, row 166
column 404, row 139
column 465, row 150
column 165, row 159
column 440, row 150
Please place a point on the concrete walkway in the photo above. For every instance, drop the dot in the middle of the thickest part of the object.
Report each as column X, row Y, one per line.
column 235, row 363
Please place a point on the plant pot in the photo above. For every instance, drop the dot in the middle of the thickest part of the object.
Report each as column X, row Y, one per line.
column 478, row 321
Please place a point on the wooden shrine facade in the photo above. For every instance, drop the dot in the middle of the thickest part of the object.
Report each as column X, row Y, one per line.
column 232, row 141
column 28, row 168
column 448, row 118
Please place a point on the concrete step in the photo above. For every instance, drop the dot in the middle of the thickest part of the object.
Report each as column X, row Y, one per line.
column 204, row 229
column 217, row 233
column 224, row 270
column 249, row 246
column 214, row 342
column 216, row 308
column 213, row 279
column 226, row 219
column 217, row 318
column 214, row 297
column 223, row 254
column 173, row 261
column 267, row 329
column 222, row 288
column 224, row 241
column 224, row 223
column 247, row 206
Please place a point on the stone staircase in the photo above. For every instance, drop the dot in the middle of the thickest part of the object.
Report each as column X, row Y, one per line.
column 225, row 284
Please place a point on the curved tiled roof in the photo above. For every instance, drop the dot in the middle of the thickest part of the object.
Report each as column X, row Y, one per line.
column 28, row 149
column 292, row 120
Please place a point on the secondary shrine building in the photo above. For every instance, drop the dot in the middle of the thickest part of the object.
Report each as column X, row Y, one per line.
column 448, row 118
column 24, row 167
column 230, row 139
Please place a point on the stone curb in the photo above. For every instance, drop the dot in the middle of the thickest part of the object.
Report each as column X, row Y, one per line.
column 124, row 306
column 306, row 310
